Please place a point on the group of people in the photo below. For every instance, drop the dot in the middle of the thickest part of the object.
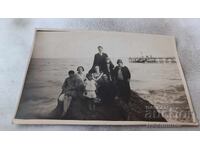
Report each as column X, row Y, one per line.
column 103, row 81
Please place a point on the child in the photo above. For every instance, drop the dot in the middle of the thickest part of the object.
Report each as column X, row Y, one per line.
column 90, row 92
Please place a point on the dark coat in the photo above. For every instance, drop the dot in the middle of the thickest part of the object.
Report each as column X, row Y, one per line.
column 99, row 60
column 125, row 72
column 122, row 86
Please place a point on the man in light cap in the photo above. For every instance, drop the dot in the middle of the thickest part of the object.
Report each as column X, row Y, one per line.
column 122, row 78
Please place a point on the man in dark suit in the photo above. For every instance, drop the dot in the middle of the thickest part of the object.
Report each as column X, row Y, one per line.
column 99, row 60
column 122, row 78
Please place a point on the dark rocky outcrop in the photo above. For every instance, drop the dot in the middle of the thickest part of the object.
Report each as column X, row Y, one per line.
column 133, row 109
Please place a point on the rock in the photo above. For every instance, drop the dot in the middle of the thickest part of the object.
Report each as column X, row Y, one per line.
column 133, row 109
column 139, row 109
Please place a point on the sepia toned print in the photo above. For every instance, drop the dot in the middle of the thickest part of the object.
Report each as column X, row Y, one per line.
column 90, row 77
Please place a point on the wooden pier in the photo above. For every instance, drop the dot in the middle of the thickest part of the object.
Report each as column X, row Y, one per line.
column 152, row 59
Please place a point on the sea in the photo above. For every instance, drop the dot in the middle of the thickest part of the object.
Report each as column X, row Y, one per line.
column 45, row 77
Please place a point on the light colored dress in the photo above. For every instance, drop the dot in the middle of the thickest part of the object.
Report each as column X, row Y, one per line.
column 90, row 89
column 81, row 76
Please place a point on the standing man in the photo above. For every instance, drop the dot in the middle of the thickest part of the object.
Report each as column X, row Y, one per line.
column 122, row 78
column 99, row 60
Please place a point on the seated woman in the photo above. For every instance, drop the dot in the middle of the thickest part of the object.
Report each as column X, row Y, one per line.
column 104, row 86
column 80, row 73
column 69, row 90
column 97, row 75
column 106, row 90
column 73, row 87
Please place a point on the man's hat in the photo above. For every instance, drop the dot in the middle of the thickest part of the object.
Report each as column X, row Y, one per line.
column 119, row 61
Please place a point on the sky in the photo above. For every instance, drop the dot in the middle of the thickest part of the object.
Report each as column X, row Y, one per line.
column 83, row 44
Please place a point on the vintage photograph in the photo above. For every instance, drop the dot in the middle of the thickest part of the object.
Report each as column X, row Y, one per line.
column 105, row 78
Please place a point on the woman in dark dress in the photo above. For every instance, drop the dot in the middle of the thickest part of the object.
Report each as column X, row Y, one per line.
column 121, row 79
